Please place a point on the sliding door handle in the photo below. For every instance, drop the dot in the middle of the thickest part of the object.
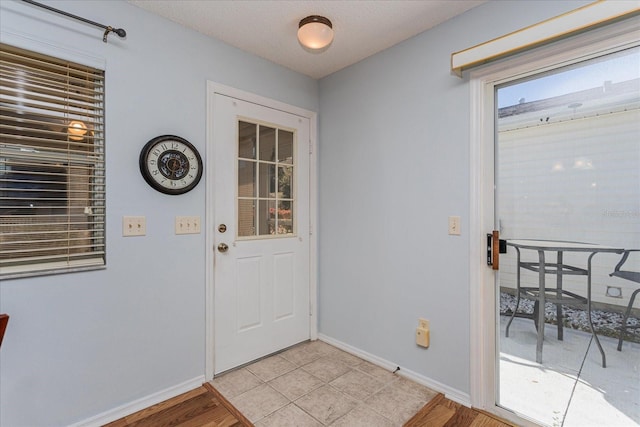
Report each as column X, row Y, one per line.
column 495, row 247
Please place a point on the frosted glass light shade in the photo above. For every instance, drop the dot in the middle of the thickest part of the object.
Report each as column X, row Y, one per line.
column 76, row 130
column 315, row 32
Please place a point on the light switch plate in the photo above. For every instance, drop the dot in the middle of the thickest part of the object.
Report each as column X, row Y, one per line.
column 454, row 225
column 187, row 225
column 134, row 226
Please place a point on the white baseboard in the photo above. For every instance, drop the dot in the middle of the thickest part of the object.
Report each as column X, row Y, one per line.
column 450, row 393
column 139, row 404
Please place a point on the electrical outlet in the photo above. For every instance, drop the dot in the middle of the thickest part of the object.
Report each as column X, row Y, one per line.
column 454, row 225
column 422, row 337
column 134, row 226
column 187, row 225
column 423, row 333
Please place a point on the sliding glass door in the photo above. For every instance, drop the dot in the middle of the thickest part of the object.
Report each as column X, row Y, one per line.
column 567, row 202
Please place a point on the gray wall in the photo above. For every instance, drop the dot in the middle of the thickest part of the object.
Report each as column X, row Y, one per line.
column 394, row 164
column 84, row 343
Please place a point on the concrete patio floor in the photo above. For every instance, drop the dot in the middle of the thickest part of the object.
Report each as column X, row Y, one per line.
column 570, row 388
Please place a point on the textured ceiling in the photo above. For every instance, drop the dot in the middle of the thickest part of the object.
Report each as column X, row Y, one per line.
column 268, row 28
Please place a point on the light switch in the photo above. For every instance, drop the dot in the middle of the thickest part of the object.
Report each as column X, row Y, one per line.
column 454, row 225
column 187, row 225
column 134, row 226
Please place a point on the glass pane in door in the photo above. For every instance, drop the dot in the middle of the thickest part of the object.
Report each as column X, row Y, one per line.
column 266, row 168
column 568, row 204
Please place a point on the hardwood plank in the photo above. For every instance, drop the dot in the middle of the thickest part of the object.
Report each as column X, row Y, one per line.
column 147, row 412
column 442, row 412
column 200, row 407
column 485, row 421
column 500, row 421
column 219, row 417
column 463, row 417
column 434, row 414
column 244, row 420
column 439, row 416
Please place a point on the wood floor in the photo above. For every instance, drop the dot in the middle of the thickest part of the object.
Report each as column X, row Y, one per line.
column 202, row 407
column 442, row 412
column 205, row 406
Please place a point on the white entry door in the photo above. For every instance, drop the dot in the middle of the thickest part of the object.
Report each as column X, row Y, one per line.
column 261, row 221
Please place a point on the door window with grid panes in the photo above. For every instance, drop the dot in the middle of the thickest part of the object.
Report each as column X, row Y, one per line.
column 265, row 181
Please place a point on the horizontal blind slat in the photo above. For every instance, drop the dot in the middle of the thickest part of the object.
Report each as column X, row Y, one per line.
column 98, row 255
column 26, row 107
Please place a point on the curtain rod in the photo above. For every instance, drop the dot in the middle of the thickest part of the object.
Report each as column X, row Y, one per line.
column 108, row 29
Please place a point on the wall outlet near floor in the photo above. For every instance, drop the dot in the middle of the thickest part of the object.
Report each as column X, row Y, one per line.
column 187, row 225
column 423, row 333
column 134, row 226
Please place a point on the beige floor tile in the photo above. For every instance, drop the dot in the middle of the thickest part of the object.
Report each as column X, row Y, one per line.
column 411, row 387
column 259, row 402
column 377, row 372
column 326, row 368
column 289, row 416
column 346, row 358
column 314, row 384
column 296, row 383
column 363, row 416
column 236, row 382
column 357, row 384
column 326, row 404
column 395, row 404
column 322, row 347
column 271, row 367
column 302, row 354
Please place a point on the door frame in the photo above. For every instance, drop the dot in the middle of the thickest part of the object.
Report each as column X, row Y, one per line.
column 214, row 89
column 483, row 343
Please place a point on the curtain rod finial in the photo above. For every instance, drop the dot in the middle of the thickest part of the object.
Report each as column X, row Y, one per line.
column 119, row 31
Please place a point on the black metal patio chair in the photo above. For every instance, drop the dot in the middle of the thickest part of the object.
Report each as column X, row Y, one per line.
column 634, row 276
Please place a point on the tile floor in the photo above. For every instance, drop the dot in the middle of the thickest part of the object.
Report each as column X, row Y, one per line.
column 315, row 384
column 570, row 388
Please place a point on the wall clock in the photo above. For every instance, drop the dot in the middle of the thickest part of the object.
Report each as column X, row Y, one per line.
column 171, row 164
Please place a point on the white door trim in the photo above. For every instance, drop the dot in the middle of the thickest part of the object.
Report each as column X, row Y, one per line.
column 218, row 89
column 482, row 134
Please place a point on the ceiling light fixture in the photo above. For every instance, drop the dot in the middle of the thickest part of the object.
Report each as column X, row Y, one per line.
column 315, row 32
column 76, row 130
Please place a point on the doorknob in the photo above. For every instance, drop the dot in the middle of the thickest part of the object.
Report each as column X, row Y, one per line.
column 222, row 247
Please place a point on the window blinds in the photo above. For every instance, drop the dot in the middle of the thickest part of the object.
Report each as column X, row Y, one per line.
column 52, row 175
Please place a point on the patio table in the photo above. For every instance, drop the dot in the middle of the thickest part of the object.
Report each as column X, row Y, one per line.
column 556, row 295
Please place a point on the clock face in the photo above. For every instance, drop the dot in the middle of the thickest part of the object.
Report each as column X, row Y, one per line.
column 170, row 164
